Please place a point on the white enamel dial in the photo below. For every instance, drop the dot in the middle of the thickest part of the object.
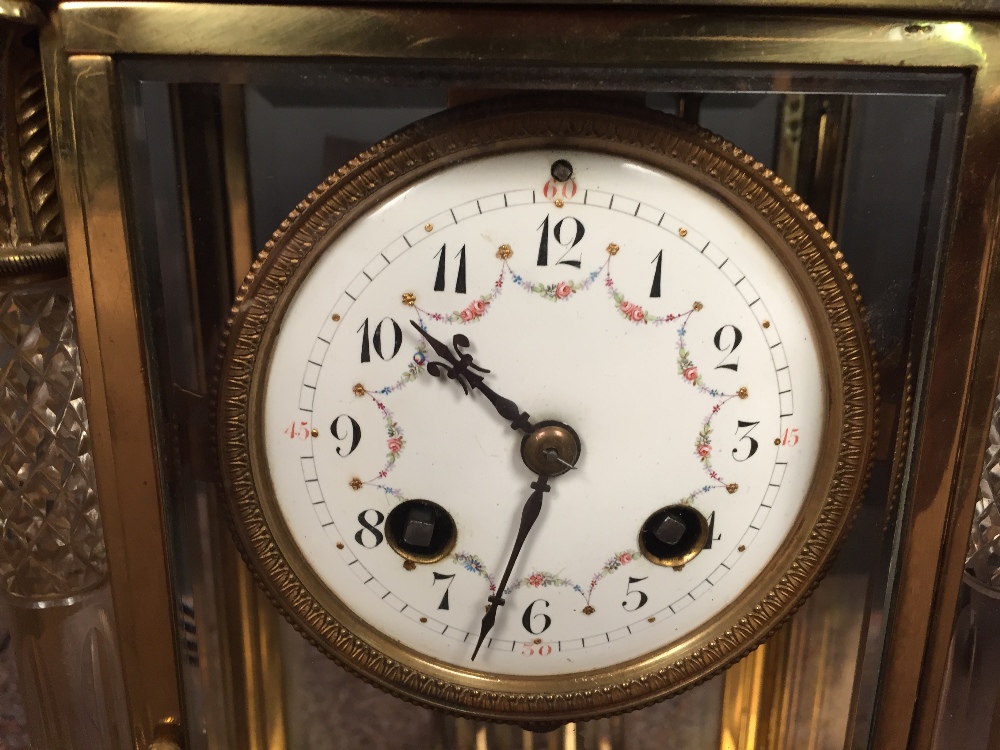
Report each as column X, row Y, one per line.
column 634, row 307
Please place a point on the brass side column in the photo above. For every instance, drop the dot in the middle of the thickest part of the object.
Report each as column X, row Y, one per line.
column 53, row 572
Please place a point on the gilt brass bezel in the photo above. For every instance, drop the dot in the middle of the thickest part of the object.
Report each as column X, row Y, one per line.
column 798, row 239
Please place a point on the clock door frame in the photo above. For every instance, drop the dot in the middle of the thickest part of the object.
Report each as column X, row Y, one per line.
column 83, row 48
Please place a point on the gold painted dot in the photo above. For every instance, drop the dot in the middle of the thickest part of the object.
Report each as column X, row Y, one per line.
column 359, row 390
column 731, row 488
column 315, row 432
column 537, row 641
column 651, row 619
column 741, row 548
column 356, row 484
column 697, row 306
column 588, row 610
column 777, row 441
column 559, row 203
column 766, row 324
column 682, row 232
column 335, row 317
column 428, row 227
column 486, row 608
column 613, row 249
column 340, row 545
column 423, row 619
column 504, row 252
column 409, row 565
column 743, row 392
column 409, row 299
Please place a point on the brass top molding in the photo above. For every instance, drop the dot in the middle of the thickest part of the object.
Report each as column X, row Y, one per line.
column 957, row 8
column 643, row 35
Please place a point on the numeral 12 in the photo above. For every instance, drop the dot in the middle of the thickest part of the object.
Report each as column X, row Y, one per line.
column 567, row 232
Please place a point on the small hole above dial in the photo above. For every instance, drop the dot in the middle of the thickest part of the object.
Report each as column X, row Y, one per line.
column 561, row 170
column 674, row 535
column 420, row 531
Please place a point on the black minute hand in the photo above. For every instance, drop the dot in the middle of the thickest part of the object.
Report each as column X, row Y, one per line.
column 529, row 514
column 460, row 367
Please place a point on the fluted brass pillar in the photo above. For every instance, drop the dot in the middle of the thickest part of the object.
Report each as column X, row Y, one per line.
column 53, row 571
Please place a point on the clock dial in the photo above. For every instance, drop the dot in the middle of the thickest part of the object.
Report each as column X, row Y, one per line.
column 562, row 408
column 672, row 343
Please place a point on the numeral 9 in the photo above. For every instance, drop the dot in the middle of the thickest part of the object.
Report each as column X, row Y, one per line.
column 354, row 432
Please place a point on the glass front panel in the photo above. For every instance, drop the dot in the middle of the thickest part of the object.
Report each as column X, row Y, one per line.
column 215, row 168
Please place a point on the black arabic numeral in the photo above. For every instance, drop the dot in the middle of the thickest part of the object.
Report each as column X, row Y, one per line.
column 377, row 340
column 459, row 279
column 629, row 591
column 711, row 531
column 563, row 235
column 369, row 528
column 543, row 245
column 740, row 424
column 728, row 348
column 528, row 617
column 439, row 279
column 654, row 291
column 366, row 355
column 442, row 577
column 354, row 433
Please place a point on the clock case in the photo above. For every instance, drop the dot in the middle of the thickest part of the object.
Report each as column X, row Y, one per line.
column 170, row 123
column 794, row 234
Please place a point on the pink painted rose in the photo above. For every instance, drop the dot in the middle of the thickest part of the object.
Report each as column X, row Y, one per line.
column 466, row 315
column 395, row 445
column 535, row 579
column 637, row 314
column 626, row 307
column 624, row 558
column 563, row 290
column 691, row 373
column 704, row 450
column 478, row 307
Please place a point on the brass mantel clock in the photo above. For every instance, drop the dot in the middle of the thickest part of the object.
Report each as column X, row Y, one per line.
column 685, row 427
column 555, row 401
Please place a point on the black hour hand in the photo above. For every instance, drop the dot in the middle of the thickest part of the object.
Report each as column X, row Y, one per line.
column 460, row 367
